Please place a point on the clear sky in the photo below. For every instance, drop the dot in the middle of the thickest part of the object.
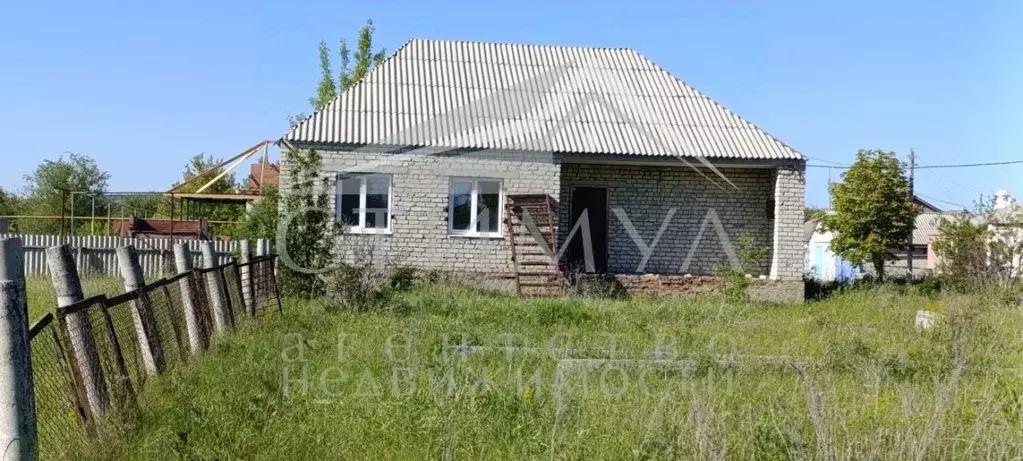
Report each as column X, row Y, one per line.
column 141, row 86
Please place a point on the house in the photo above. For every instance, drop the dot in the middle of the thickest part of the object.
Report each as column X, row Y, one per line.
column 1003, row 221
column 823, row 264
column 513, row 165
column 262, row 174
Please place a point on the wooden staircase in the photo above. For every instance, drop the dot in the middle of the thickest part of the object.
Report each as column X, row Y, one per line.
column 537, row 272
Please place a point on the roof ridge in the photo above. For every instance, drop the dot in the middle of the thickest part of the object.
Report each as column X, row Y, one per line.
column 528, row 45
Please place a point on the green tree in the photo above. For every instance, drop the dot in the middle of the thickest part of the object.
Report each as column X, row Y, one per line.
column 197, row 167
column 812, row 213
column 9, row 203
column 198, row 172
column 49, row 188
column 306, row 231
column 353, row 67
column 261, row 218
column 873, row 211
column 962, row 250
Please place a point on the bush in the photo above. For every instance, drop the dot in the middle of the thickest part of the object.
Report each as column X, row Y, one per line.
column 365, row 282
column 403, row 278
column 735, row 281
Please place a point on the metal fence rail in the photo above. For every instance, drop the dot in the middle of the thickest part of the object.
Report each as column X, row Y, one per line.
column 90, row 359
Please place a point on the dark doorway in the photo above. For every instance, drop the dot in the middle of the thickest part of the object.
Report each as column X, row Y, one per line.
column 594, row 201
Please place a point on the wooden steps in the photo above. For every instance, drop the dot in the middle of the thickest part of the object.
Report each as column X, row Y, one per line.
column 537, row 272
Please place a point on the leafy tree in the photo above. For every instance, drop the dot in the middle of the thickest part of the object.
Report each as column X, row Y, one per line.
column 982, row 250
column 261, row 218
column 306, row 230
column 9, row 203
column 353, row 67
column 199, row 170
column 873, row 211
column 196, row 168
column 962, row 250
column 812, row 213
column 52, row 183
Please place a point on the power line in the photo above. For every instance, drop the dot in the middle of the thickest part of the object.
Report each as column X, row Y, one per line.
column 928, row 167
column 965, row 165
column 827, row 161
column 946, row 202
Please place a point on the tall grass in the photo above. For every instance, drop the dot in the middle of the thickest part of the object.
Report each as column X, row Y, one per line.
column 41, row 297
column 451, row 373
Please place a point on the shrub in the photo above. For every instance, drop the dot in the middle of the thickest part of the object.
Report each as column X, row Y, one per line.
column 403, row 278
column 735, row 283
column 366, row 281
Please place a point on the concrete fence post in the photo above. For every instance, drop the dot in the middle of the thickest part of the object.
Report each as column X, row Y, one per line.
column 68, row 288
column 245, row 274
column 142, row 309
column 214, row 288
column 81, row 260
column 189, row 299
column 260, row 271
column 17, row 390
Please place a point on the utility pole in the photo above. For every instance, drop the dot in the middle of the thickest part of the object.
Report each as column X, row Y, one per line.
column 909, row 248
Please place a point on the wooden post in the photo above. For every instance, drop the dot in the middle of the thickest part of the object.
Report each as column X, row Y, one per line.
column 142, row 310
column 189, row 300
column 17, row 391
column 68, row 288
column 245, row 276
column 214, row 288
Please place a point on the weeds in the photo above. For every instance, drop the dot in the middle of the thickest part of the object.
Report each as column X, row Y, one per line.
column 875, row 388
column 736, row 279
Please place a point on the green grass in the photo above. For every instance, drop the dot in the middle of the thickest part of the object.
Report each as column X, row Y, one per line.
column 378, row 384
column 41, row 298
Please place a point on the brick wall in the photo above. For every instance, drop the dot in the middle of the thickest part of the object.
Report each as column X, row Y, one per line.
column 419, row 194
column 789, row 259
column 643, row 194
column 646, row 194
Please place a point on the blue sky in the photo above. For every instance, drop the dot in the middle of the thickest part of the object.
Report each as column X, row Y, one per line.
column 142, row 86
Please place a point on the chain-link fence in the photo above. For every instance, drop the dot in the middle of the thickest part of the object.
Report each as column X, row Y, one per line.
column 91, row 358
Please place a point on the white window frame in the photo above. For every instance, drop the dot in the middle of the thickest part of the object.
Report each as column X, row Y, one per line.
column 360, row 228
column 473, row 201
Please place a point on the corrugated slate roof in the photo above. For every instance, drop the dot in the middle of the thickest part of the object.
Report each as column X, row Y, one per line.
column 927, row 226
column 924, row 233
column 528, row 97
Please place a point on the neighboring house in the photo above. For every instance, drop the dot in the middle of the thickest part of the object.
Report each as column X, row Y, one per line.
column 1005, row 223
column 438, row 152
column 823, row 264
column 262, row 175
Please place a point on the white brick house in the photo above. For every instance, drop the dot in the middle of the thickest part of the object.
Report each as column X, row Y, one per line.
column 444, row 128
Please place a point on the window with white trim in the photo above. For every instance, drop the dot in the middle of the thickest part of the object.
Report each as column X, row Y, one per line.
column 475, row 207
column 364, row 203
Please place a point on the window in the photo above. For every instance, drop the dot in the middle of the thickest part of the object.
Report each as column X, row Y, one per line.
column 475, row 207
column 364, row 203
